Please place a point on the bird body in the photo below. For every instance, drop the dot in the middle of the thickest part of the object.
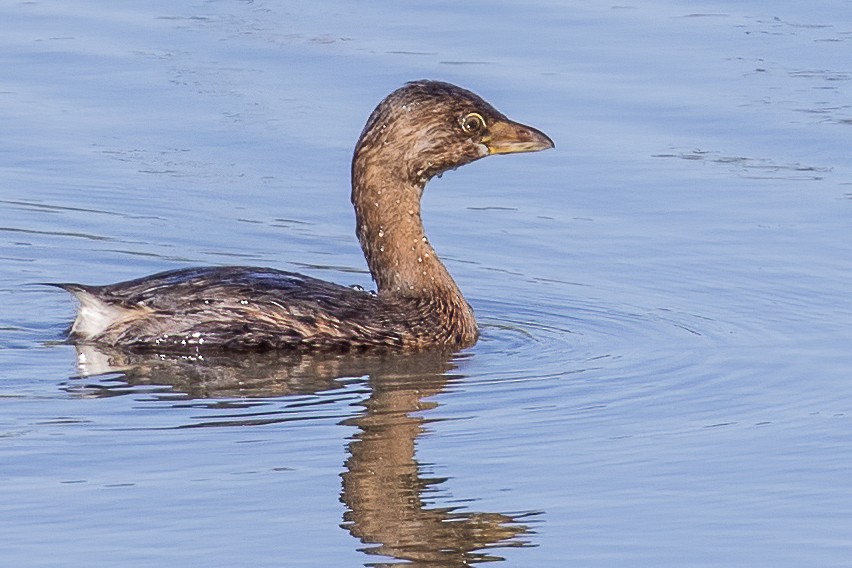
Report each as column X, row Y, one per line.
column 418, row 131
column 246, row 308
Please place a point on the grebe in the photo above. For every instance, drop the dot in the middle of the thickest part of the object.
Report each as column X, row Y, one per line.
column 419, row 131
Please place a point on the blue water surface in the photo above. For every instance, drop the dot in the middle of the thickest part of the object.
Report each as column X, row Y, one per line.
column 664, row 376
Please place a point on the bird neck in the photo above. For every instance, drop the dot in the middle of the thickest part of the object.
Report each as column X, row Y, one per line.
column 390, row 230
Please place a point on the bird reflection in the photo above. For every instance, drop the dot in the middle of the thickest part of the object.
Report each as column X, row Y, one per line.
column 385, row 489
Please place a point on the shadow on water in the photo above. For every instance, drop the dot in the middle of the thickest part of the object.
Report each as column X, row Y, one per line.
column 385, row 489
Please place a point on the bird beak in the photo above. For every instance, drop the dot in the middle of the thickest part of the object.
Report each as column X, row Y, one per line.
column 507, row 137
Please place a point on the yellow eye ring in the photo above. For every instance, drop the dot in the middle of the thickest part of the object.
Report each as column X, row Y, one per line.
column 472, row 123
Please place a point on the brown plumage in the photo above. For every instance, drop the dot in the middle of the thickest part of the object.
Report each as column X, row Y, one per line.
column 417, row 132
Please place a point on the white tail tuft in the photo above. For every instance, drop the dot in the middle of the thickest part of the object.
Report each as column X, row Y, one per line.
column 95, row 316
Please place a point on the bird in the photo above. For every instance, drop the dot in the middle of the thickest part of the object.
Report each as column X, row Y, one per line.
column 417, row 132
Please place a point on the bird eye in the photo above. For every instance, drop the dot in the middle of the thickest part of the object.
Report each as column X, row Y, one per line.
column 472, row 123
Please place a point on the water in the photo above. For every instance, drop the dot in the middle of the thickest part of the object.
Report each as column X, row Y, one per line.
column 664, row 373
